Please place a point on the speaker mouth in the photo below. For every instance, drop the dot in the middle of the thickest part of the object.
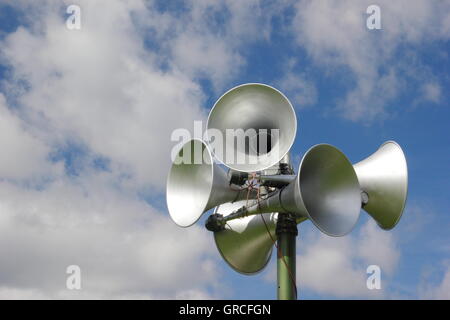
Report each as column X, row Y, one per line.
column 329, row 189
column 258, row 107
column 189, row 185
column 403, row 186
column 384, row 177
column 245, row 244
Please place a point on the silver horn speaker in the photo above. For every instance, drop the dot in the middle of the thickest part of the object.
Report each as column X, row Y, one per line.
column 195, row 184
column 264, row 115
column 245, row 243
column 326, row 191
column 383, row 177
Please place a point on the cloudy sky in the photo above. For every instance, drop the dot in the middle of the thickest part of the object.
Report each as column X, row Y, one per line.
column 86, row 117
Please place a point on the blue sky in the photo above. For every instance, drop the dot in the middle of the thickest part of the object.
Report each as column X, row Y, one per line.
column 91, row 144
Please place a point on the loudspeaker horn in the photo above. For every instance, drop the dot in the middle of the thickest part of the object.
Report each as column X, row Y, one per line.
column 326, row 191
column 259, row 107
column 196, row 184
column 383, row 177
column 245, row 243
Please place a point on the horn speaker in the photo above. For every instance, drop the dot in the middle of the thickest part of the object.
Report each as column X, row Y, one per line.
column 326, row 191
column 259, row 107
column 383, row 177
column 245, row 243
column 194, row 187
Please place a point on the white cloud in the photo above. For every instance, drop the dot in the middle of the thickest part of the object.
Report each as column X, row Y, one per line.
column 432, row 92
column 23, row 155
column 379, row 247
column 206, row 57
column 437, row 291
column 21, row 294
column 326, row 268
column 301, row 91
column 337, row 266
column 101, row 88
column 204, row 41
column 122, row 245
column 335, row 36
column 442, row 292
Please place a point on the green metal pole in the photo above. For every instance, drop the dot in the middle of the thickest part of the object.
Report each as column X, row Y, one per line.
column 286, row 231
